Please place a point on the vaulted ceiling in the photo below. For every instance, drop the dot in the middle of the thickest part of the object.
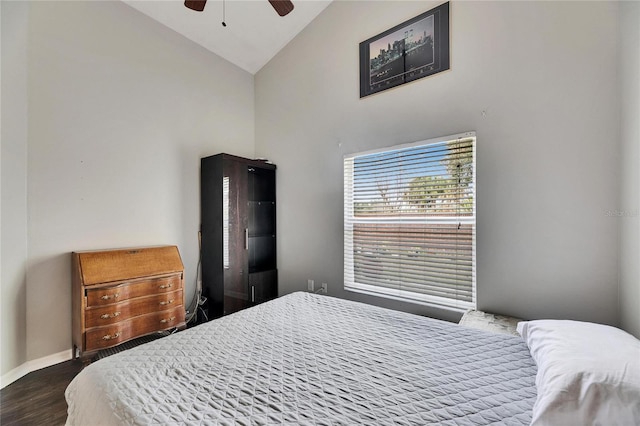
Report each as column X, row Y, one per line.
column 254, row 33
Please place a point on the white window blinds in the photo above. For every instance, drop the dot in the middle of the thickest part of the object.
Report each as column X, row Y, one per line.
column 409, row 222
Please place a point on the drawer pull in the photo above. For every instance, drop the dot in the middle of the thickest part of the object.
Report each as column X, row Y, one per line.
column 111, row 336
column 110, row 296
column 107, row 316
column 167, row 320
column 168, row 302
column 166, row 285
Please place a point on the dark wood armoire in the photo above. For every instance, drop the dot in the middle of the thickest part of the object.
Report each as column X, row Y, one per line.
column 238, row 224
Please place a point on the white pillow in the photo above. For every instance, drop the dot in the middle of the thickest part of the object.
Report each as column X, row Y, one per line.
column 588, row 374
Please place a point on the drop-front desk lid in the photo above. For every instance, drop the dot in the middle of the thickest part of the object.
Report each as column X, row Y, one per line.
column 122, row 264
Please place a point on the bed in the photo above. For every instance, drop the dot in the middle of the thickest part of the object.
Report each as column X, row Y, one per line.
column 306, row 359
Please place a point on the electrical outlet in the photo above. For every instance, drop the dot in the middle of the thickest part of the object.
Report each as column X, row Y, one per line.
column 324, row 288
column 310, row 285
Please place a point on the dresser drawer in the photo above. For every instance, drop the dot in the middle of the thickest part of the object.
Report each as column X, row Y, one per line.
column 105, row 315
column 129, row 290
column 111, row 335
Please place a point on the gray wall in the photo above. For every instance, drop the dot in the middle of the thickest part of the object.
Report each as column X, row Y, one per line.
column 524, row 77
column 120, row 110
column 629, row 207
column 13, row 231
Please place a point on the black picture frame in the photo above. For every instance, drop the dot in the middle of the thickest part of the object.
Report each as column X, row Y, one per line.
column 409, row 51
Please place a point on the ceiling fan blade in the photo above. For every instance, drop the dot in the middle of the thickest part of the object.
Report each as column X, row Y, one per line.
column 283, row 7
column 197, row 5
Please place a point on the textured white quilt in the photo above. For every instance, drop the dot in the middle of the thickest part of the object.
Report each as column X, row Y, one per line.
column 306, row 359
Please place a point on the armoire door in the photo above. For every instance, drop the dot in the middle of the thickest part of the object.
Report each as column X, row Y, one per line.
column 263, row 286
column 235, row 236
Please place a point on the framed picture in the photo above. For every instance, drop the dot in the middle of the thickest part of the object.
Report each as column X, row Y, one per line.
column 411, row 50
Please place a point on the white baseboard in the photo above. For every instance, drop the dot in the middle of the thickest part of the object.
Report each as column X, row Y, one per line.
column 34, row 365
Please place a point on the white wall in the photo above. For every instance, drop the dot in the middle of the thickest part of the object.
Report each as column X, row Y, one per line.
column 117, row 110
column 629, row 222
column 535, row 80
column 13, row 314
column 120, row 111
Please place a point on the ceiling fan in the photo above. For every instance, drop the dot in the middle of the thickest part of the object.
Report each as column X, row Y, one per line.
column 283, row 7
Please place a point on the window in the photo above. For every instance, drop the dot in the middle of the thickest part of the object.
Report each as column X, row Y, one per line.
column 410, row 222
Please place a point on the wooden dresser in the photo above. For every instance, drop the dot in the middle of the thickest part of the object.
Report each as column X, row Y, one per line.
column 119, row 295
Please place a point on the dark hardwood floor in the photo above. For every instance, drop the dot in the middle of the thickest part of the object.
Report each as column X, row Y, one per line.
column 38, row 397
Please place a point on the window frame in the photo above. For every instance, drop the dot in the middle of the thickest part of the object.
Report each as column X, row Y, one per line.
column 448, row 303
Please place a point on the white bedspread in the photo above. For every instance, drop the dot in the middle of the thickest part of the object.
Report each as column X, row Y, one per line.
column 306, row 359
